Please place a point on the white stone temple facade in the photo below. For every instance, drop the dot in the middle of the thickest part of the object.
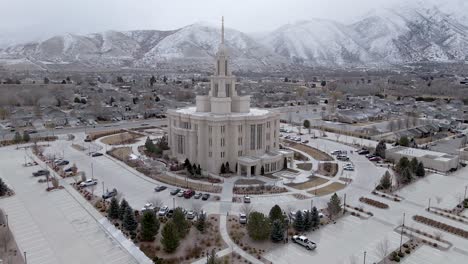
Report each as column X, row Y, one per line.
column 222, row 128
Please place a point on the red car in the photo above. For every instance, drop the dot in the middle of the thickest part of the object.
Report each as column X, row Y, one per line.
column 189, row 193
column 377, row 159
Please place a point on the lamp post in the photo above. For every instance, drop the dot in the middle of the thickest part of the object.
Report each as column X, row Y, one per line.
column 365, row 253
column 401, row 234
column 6, row 216
column 25, row 259
column 173, row 203
column 464, row 196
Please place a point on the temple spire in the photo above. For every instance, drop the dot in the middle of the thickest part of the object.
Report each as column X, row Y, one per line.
column 222, row 29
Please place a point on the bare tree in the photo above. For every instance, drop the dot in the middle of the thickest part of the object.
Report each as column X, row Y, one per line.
column 83, row 176
column 438, row 199
column 156, row 201
column 246, row 209
column 196, row 206
column 383, row 248
column 93, row 188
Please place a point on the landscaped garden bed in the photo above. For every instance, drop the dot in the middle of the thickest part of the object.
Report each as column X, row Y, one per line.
column 391, row 197
column 439, row 225
column 459, row 218
column 313, row 152
column 304, row 166
column 328, row 189
column 328, row 169
column 373, row 203
column 358, row 211
column 259, row 189
column 122, row 138
column 312, row 182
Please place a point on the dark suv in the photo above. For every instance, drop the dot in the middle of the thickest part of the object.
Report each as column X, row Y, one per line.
column 41, row 173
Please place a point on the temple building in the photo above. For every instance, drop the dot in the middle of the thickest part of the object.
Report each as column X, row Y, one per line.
column 223, row 131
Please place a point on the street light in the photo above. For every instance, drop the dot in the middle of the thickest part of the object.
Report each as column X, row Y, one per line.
column 365, row 253
column 25, row 259
column 464, row 197
column 401, row 234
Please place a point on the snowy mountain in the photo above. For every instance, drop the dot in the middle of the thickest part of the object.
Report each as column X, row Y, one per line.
column 402, row 34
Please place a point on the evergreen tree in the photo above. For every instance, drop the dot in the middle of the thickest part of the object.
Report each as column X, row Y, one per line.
column 334, row 206
column 77, row 100
column 187, row 163
column 129, row 221
column 404, row 141
column 405, row 175
column 223, row 169
column 170, row 237
column 277, row 231
column 26, row 136
column 307, row 125
column 227, row 167
column 386, row 181
column 3, row 188
column 17, row 139
column 413, row 165
column 402, row 164
column 149, row 226
column 149, row 145
column 299, row 224
column 323, row 83
column 315, row 218
column 262, row 170
column 194, row 169
column 420, row 172
column 180, row 222
column 276, row 214
column 380, row 149
column 258, row 226
column 201, row 223
column 152, row 80
column 123, row 208
column 307, row 221
column 113, row 211
column 46, row 80
column 198, row 170
column 212, row 258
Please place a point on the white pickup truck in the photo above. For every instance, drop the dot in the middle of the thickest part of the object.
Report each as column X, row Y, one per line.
column 305, row 242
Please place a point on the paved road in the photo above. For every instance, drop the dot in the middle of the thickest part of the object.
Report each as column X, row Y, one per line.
column 53, row 227
column 6, row 134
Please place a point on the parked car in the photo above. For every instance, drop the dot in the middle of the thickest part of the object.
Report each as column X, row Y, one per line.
column 370, row 156
column 175, row 191
column 181, row 194
column 189, row 193
column 88, row 182
column 336, row 152
column 190, row 215
column 305, row 242
column 160, row 188
column 246, row 199
column 197, row 195
column 63, row 163
column 68, row 169
column 363, row 152
column 170, row 213
column 348, row 167
column 96, row 154
column 342, row 157
column 242, row 219
column 41, row 173
column 305, row 141
column 205, row 196
column 109, row 194
column 375, row 158
column 163, row 210
column 148, row 207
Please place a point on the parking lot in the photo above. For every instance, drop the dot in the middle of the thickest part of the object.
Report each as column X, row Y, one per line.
column 53, row 227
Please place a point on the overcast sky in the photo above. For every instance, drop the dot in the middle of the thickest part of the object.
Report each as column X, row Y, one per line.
column 33, row 19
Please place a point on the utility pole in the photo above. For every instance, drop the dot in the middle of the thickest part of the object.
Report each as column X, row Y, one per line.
column 365, row 253
column 92, row 171
column 429, row 205
column 464, row 197
column 102, row 187
column 173, row 203
column 25, row 259
column 6, row 216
